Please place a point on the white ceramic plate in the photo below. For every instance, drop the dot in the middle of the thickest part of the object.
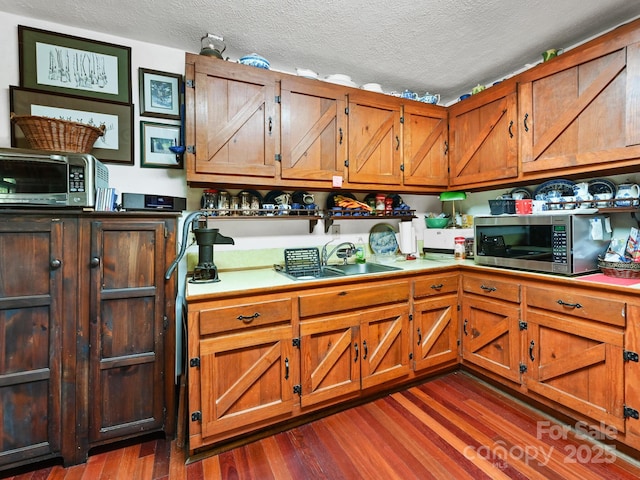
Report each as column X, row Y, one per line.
column 382, row 239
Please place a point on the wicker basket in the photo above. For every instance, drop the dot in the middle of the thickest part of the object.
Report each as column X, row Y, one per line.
column 620, row 269
column 44, row 133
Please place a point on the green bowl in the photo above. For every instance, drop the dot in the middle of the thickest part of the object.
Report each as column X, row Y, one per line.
column 437, row 222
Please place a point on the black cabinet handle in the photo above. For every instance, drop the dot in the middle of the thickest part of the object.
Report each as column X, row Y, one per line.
column 397, row 142
column 511, row 129
column 570, row 305
column 95, row 262
column 366, row 350
column 286, row 369
column 437, row 286
column 355, row 345
column 340, row 135
column 464, row 327
column 446, row 147
column 249, row 319
column 531, row 347
column 55, row 264
column 526, row 127
column 419, row 336
column 488, row 289
column 270, row 125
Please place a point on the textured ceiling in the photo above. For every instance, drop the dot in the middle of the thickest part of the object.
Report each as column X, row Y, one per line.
column 440, row 46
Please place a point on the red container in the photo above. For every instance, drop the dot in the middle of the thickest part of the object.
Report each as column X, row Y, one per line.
column 524, row 207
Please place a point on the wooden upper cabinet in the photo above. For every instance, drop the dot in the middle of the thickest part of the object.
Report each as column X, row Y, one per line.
column 234, row 121
column 375, row 139
column 425, row 145
column 483, row 137
column 581, row 112
column 314, row 130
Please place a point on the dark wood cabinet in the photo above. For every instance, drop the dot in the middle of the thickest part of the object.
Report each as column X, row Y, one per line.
column 86, row 332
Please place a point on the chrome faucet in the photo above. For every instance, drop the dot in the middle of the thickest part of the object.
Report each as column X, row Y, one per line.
column 345, row 250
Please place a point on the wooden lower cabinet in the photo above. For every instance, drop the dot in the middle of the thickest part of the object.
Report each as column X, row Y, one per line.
column 435, row 321
column 490, row 328
column 574, row 344
column 85, row 322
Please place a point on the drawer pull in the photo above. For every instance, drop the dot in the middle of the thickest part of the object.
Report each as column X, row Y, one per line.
column 488, row 289
column 286, row 369
column 571, row 305
column 531, row 347
column 419, row 336
column 366, row 350
column 249, row 319
column 355, row 345
column 464, row 327
column 437, row 286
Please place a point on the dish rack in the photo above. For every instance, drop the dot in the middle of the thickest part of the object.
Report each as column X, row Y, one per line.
column 302, row 262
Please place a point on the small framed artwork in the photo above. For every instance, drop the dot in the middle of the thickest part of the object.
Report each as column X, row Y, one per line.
column 115, row 146
column 59, row 63
column 160, row 145
column 159, row 94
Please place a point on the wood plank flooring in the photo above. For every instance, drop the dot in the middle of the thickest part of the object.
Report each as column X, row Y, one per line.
column 453, row 427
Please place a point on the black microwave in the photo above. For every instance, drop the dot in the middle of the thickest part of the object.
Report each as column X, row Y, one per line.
column 567, row 244
column 37, row 178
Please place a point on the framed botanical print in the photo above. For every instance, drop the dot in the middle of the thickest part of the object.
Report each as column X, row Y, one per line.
column 59, row 63
column 115, row 146
column 159, row 94
column 160, row 145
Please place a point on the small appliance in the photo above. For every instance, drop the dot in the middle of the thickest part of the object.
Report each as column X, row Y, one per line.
column 205, row 271
column 143, row 201
column 37, row 178
column 567, row 244
column 442, row 240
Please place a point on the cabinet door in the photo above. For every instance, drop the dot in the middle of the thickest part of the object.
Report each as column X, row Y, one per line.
column 578, row 364
column 126, row 330
column 245, row 379
column 375, row 139
column 329, row 352
column 236, row 120
column 580, row 113
column 425, row 145
column 31, row 317
column 483, row 137
column 490, row 335
column 435, row 331
column 384, row 345
column 314, row 131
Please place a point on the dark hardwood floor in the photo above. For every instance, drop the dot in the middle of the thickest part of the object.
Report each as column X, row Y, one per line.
column 453, row 427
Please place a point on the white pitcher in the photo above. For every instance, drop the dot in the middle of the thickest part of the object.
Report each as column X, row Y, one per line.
column 627, row 195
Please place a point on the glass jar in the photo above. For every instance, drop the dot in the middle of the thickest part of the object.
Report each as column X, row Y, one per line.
column 245, row 203
column 459, row 251
column 209, row 199
column 380, row 206
column 223, row 203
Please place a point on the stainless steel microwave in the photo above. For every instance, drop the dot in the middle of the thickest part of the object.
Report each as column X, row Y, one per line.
column 37, row 178
column 567, row 244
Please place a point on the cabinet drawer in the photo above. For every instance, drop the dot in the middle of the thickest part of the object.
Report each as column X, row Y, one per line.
column 243, row 316
column 489, row 287
column 579, row 304
column 436, row 285
column 352, row 298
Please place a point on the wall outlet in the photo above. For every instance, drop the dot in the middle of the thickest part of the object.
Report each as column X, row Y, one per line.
column 335, row 231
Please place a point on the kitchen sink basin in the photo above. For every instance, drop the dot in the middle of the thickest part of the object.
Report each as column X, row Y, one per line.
column 332, row 271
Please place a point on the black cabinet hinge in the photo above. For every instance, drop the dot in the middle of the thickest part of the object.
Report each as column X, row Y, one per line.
column 297, row 389
column 401, row 119
column 196, row 416
column 402, row 167
column 278, row 99
column 165, row 322
column 194, row 362
column 523, row 368
column 630, row 356
column 411, row 356
column 296, row 342
column 191, row 83
column 346, row 163
column 522, row 325
column 278, row 157
column 631, row 413
column 346, row 111
column 411, row 317
column 191, row 149
column 458, row 307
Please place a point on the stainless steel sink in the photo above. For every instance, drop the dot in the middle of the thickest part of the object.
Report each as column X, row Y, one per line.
column 332, row 271
column 360, row 268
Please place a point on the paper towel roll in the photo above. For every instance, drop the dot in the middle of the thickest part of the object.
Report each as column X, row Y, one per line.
column 407, row 236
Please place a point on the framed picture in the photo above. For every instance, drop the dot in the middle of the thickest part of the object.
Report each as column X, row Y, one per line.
column 156, row 140
column 159, row 94
column 59, row 63
column 115, row 146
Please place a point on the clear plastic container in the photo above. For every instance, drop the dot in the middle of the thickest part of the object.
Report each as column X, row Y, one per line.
column 459, row 251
